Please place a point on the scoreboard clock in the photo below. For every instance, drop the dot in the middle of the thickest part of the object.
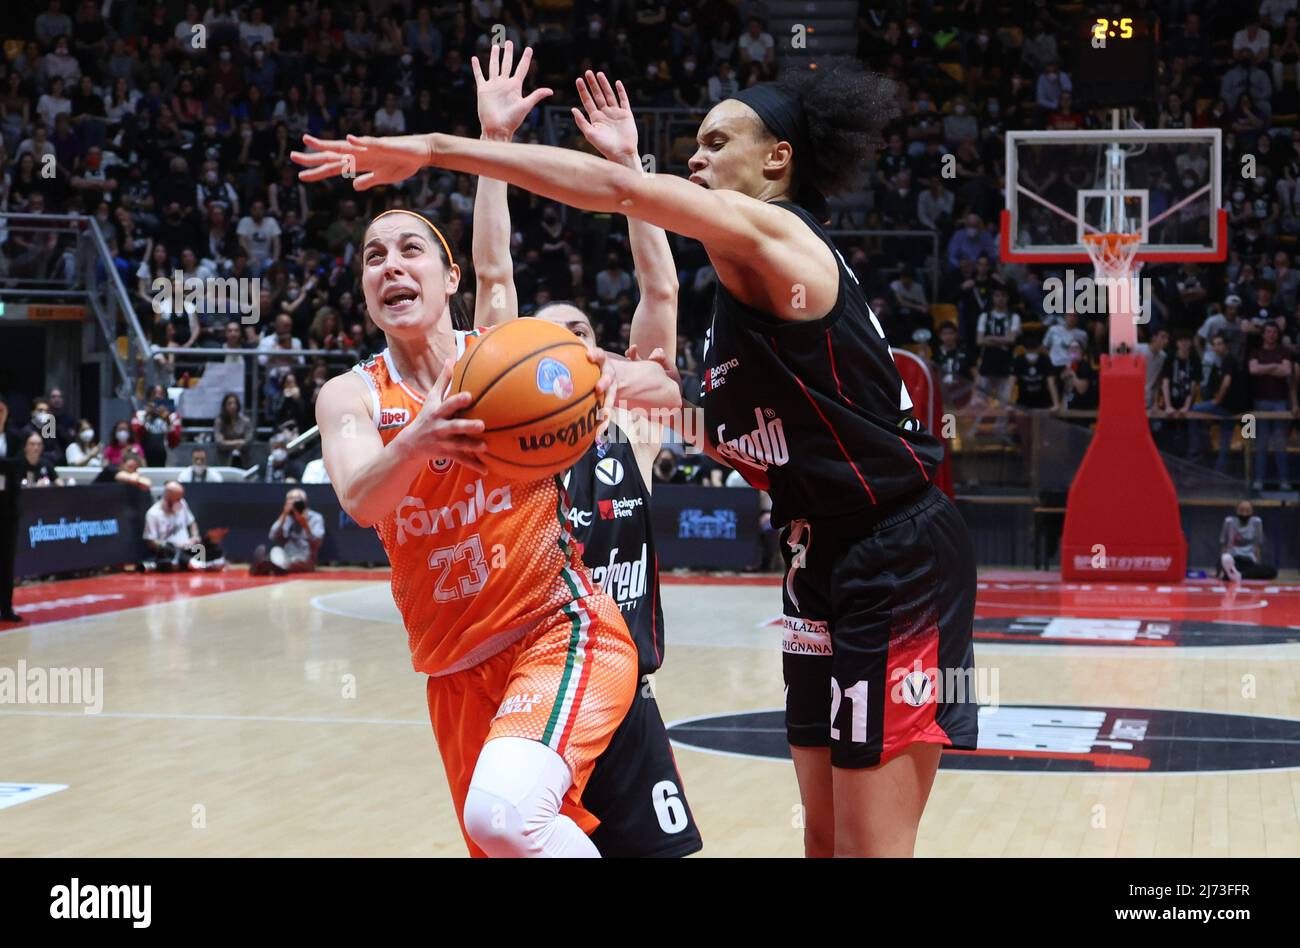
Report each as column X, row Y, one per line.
column 1115, row 65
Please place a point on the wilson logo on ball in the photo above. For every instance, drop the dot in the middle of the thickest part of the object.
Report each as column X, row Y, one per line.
column 553, row 378
column 572, row 433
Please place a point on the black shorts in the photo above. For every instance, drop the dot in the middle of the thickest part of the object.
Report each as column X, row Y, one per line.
column 636, row 792
column 877, row 648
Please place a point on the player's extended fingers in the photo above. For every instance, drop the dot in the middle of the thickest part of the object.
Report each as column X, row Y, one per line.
column 597, row 93
column 323, row 172
column 507, row 59
column 325, row 144
column 366, row 181
column 584, row 95
column 452, row 404
column 606, row 89
column 623, row 100
column 632, row 353
column 537, row 95
column 312, row 158
column 478, row 71
column 581, row 121
column 525, row 60
column 464, row 426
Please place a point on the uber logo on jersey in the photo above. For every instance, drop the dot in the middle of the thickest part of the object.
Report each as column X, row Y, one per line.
column 609, row 472
column 393, row 418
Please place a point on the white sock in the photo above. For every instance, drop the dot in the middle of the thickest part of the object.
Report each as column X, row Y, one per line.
column 513, row 805
column 1230, row 567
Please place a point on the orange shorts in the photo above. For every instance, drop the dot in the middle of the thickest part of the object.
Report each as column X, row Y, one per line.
column 568, row 683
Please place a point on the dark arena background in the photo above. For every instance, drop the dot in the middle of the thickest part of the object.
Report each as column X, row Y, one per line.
column 1079, row 234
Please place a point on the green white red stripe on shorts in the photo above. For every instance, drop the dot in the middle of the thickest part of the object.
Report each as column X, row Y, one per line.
column 577, row 668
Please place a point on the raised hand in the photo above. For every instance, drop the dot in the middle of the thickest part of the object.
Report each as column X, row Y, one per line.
column 608, row 124
column 502, row 106
column 368, row 161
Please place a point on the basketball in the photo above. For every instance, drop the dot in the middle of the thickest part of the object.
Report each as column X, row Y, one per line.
column 535, row 391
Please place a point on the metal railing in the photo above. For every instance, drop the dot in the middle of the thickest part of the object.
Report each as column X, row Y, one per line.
column 73, row 263
column 254, row 369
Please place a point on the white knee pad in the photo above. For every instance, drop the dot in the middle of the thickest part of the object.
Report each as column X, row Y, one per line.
column 513, row 805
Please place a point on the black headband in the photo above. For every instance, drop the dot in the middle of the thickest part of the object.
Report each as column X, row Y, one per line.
column 779, row 108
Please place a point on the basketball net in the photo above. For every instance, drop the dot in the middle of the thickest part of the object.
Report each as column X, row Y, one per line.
column 1112, row 260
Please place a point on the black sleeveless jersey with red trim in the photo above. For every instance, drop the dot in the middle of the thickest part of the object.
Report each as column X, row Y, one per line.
column 609, row 515
column 814, row 412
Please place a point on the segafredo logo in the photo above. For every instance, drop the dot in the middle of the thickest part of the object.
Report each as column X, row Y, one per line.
column 760, row 448
column 623, row 580
column 393, row 418
column 553, row 378
column 415, row 520
column 572, row 433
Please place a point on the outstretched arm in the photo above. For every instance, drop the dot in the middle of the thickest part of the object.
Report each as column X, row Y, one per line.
column 763, row 253
column 501, row 108
column 611, row 128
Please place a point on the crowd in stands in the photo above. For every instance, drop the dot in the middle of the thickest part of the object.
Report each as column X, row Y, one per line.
column 171, row 123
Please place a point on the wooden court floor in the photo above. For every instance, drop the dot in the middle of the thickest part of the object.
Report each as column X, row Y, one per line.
column 252, row 718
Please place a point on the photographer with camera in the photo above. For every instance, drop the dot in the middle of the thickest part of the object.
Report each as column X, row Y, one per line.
column 157, row 427
column 296, row 537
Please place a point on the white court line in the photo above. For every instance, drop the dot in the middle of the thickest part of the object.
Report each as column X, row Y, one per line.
column 159, row 716
column 318, row 603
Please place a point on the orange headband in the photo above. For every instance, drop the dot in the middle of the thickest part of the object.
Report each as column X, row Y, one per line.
column 437, row 233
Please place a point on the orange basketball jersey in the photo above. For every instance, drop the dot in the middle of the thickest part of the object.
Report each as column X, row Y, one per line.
column 476, row 560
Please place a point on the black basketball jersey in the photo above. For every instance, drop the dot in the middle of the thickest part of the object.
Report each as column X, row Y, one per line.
column 609, row 515
column 814, row 412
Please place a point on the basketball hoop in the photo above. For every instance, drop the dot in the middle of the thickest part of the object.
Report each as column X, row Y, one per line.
column 1112, row 254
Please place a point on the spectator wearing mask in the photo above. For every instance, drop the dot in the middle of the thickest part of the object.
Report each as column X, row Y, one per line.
column 44, row 425
column 1241, row 546
column 171, row 535
column 1271, row 389
column 35, row 468
column 971, row 242
column 296, row 538
column 85, row 451
column 198, row 471
column 279, row 468
column 121, row 441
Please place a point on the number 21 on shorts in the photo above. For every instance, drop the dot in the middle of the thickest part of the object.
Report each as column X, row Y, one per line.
column 857, row 695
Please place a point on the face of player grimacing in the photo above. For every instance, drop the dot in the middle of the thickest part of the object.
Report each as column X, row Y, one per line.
column 405, row 283
column 733, row 146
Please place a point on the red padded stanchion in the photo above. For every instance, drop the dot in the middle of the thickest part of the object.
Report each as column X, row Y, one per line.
column 927, row 405
column 1121, row 519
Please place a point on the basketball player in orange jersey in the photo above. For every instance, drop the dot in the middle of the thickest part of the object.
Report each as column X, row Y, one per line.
column 530, row 664
column 635, row 788
column 802, row 397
